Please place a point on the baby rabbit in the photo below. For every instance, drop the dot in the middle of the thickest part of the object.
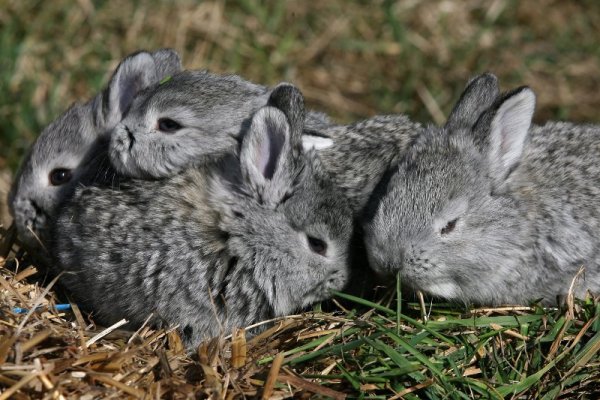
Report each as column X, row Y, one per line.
column 190, row 118
column 61, row 155
column 233, row 241
column 489, row 209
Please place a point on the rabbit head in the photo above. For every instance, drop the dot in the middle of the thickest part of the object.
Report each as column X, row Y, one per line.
column 179, row 121
column 291, row 229
column 440, row 219
column 190, row 118
column 60, row 156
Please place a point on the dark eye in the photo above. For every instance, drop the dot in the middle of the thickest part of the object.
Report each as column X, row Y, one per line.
column 60, row 176
column 449, row 227
column 286, row 197
column 317, row 245
column 168, row 125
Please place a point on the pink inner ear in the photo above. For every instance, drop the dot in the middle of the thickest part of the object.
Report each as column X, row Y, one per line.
column 270, row 149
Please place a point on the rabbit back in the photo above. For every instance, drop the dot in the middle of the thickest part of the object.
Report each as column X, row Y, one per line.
column 363, row 152
column 558, row 183
column 142, row 249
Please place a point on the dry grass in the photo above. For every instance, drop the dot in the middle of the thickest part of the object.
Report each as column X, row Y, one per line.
column 48, row 354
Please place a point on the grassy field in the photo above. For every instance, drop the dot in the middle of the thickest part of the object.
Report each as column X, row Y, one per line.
column 352, row 59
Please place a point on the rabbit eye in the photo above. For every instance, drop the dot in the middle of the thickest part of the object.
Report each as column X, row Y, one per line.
column 60, row 176
column 286, row 197
column 449, row 227
column 317, row 245
column 168, row 125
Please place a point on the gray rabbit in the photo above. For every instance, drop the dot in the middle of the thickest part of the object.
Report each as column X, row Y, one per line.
column 61, row 156
column 195, row 116
column 490, row 209
column 191, row 117
column 254, row 234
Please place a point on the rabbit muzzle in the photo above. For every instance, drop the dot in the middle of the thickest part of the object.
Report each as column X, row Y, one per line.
column 31, row 221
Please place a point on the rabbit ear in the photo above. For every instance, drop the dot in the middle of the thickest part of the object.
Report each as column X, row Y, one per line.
column 134, row 73
column 167, row 63
column 508, row 130
column 480, row 94
column 288, row 98
column 266, row 160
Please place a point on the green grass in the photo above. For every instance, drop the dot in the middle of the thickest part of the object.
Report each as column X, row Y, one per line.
column 535, row 353
column 357, row 350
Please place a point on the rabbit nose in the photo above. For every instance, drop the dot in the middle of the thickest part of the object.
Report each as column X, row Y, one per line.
column 129, row 135
column 29, row 218
column 33, row 209
column 337, row 279
column 22, row 205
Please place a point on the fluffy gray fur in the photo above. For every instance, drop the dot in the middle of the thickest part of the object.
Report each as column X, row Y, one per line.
column 363, row 152
column 69, row 143
column 490, row 209
column 227, row 243
column 211, row 111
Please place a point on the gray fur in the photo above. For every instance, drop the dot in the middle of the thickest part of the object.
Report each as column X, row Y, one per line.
column 211, row 109
column 364, row 151
column 70, row 143
column 524, row 200
column 478, row 96
column 214, row 109
column 220, row 245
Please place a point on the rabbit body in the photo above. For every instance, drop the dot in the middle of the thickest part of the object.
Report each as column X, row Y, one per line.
column 361, row 154
column 558, row 188
column 246, row 237
column 489, row 209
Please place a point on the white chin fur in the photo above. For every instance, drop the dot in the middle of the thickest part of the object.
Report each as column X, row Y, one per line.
column 446, row 290
column 315, row 142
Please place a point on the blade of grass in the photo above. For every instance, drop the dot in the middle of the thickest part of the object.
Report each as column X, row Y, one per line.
column 355, row 383
column 417, row 354
column 332, row 350
column 514, row 321
column 364, row 302
column 398, row 303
